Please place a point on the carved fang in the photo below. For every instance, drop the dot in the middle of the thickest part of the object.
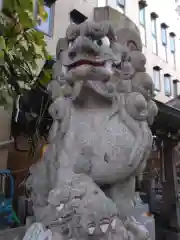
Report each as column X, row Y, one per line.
column 108, row 66
column 91, row 230
column 64, row 70
column 61, row 206
column 104, row 227
column 113, row 224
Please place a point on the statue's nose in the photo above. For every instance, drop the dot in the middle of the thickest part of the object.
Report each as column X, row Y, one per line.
column 83, row 45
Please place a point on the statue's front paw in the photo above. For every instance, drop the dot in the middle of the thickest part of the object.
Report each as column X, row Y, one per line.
column 99, row 216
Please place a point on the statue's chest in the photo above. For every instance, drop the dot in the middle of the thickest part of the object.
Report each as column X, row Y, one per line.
column 97, row 129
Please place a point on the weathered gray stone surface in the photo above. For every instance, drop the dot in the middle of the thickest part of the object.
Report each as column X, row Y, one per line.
column 100, row 139
column 13, row 234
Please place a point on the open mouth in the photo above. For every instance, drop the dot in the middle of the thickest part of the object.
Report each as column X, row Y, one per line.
column 86, row 62
column 105, row 67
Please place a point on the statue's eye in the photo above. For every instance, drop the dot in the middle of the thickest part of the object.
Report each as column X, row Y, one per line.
column 106, row 41
column 70, row 44
column 99, row 42
column 103, row 42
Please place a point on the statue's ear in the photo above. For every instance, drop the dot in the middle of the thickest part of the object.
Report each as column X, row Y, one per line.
column 129, row 37
column 62, row 44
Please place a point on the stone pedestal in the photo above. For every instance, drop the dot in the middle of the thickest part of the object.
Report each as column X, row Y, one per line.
column 13, row 234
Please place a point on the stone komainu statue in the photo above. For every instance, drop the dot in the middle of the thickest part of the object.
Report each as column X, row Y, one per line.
column 100, row 139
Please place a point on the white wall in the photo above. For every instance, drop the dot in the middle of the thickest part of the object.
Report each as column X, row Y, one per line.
column 62, row 20
column 166, row 12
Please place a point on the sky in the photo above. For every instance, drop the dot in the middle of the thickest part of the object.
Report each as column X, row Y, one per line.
column 45, row 26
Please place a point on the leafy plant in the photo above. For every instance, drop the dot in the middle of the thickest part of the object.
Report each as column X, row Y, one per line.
column 21, row 45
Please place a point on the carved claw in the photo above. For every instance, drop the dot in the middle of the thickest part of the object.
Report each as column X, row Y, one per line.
column 104, row 227
column 91, row 230
column 113, row 224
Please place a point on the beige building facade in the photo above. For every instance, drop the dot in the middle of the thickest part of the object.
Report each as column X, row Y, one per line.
column 159, row 27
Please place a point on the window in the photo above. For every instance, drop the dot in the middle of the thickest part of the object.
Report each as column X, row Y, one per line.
column 154, row 32
column 164, row 40
column 47, row 26
column 156, row 78
column 175, row 87
column 164, row 33
column 77, row 17
column 142, row 21
column 167, row 85
column 121, row 4
column 172, row 42
column 142, row 15
column 173, row 48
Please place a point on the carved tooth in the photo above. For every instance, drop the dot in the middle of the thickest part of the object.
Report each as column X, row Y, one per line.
column 91, row 230
column 132, row 203
column 113, row 224
column 64, row 70
column 61, row 206
column 108, row 66
column 104, row 227
column 105, row 41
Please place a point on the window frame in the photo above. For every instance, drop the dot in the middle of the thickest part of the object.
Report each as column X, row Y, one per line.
column 157, row 70
column 167, row 77
column 142, row 7
column 175, row 87
column 154, row 17
column 164, row 29
column 172, row 37
column 143, row 10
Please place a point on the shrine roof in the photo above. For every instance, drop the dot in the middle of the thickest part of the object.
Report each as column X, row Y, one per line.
column 168, row 118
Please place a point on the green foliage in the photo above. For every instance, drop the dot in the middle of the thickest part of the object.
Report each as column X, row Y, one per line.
column 21, row 46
